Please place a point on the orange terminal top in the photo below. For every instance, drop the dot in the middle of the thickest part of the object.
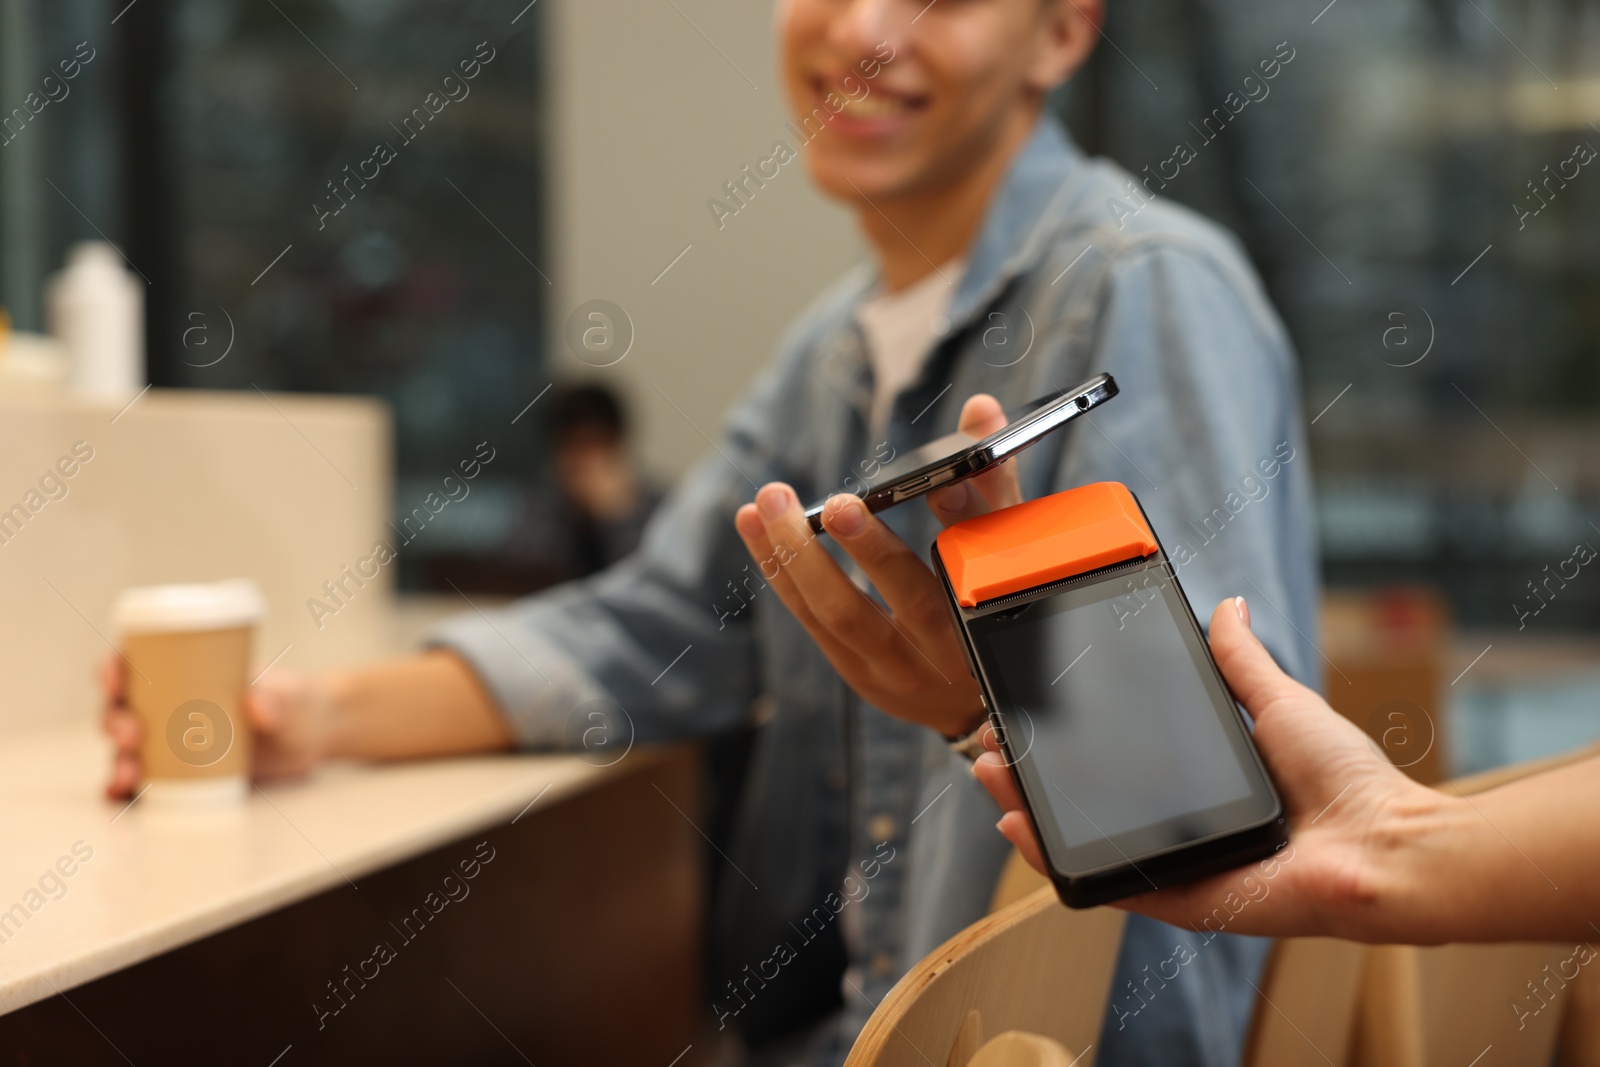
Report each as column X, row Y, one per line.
column 1042, row 541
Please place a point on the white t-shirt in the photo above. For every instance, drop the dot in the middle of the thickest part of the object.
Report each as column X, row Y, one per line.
column 901, row 330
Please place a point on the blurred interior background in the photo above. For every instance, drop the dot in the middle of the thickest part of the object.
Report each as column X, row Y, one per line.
column 1392, row 182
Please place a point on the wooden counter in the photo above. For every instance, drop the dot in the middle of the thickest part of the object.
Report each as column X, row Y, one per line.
column 220, row 937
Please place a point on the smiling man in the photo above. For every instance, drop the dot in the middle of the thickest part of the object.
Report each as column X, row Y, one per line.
column 1000, row 268
column 997, row 275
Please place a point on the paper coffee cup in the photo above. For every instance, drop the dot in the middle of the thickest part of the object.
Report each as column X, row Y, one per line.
column 188, row 655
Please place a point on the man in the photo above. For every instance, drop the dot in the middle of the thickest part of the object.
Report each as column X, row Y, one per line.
column 869, row 840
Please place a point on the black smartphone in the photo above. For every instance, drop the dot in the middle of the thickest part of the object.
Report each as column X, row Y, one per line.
column 1135, row 764
column 958, row 455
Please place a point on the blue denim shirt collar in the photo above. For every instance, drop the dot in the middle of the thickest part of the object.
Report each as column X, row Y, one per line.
column 1011, row 238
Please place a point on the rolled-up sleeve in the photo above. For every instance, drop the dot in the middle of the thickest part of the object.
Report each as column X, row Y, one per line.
column 660, row 634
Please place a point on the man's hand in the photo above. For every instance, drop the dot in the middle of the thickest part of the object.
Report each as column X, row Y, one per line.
column 1350, row 812
column 907, row 660
column 289, row 714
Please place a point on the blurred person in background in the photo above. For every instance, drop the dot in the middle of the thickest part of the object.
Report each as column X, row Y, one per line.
column 587, row 510
column 593, row 511
column 1000, row 272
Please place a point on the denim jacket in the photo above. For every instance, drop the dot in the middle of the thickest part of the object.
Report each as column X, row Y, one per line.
column 865, row 823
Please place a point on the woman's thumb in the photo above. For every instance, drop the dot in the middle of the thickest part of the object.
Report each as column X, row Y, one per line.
column 1249, row 669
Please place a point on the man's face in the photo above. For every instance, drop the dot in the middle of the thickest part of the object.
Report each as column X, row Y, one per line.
column 952, row 78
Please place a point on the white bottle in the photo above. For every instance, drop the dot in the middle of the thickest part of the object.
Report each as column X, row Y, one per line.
column 96, row 308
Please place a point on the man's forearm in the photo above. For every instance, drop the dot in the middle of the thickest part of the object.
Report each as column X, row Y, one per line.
column 426, row 705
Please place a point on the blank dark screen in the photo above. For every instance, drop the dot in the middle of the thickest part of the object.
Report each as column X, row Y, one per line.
column 1109, row 703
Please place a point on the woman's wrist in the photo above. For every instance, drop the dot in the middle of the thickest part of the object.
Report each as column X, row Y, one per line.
column 1418, row 848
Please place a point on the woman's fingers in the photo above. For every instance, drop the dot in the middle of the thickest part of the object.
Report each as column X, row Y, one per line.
column 991, row 770
column 1015, row 827
column 1251, row 672
column 992, row 773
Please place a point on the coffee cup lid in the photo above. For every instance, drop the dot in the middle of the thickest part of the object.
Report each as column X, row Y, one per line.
column 212, row 606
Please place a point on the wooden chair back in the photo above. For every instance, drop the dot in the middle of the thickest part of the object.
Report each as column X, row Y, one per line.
column 1017, row 880
column 1017, row 1049
column 1307, row 998
column 1033, row 966
column 1045, row 971
column 1580, row 1023
column 1306, row 1004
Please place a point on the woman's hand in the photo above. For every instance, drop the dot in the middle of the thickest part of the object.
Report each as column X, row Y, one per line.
column 1353, row 817
column 907, row 660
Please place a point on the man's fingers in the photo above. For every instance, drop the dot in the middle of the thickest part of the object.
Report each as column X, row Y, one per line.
column 272, row 761
column 1255, row 678
column 998, row 487
column 951, row 504
column 832, row 599
column 981, row 416
column 262, row 712
column 978, row 495
column 124, row 776
column 124, row 729
column 907, row 585
column 113, row 679
column 773, row 567
column 122, row 726
column 753, row 531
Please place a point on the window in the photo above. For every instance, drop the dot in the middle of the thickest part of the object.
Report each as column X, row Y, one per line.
column 1407, row 177
column 348, row 193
